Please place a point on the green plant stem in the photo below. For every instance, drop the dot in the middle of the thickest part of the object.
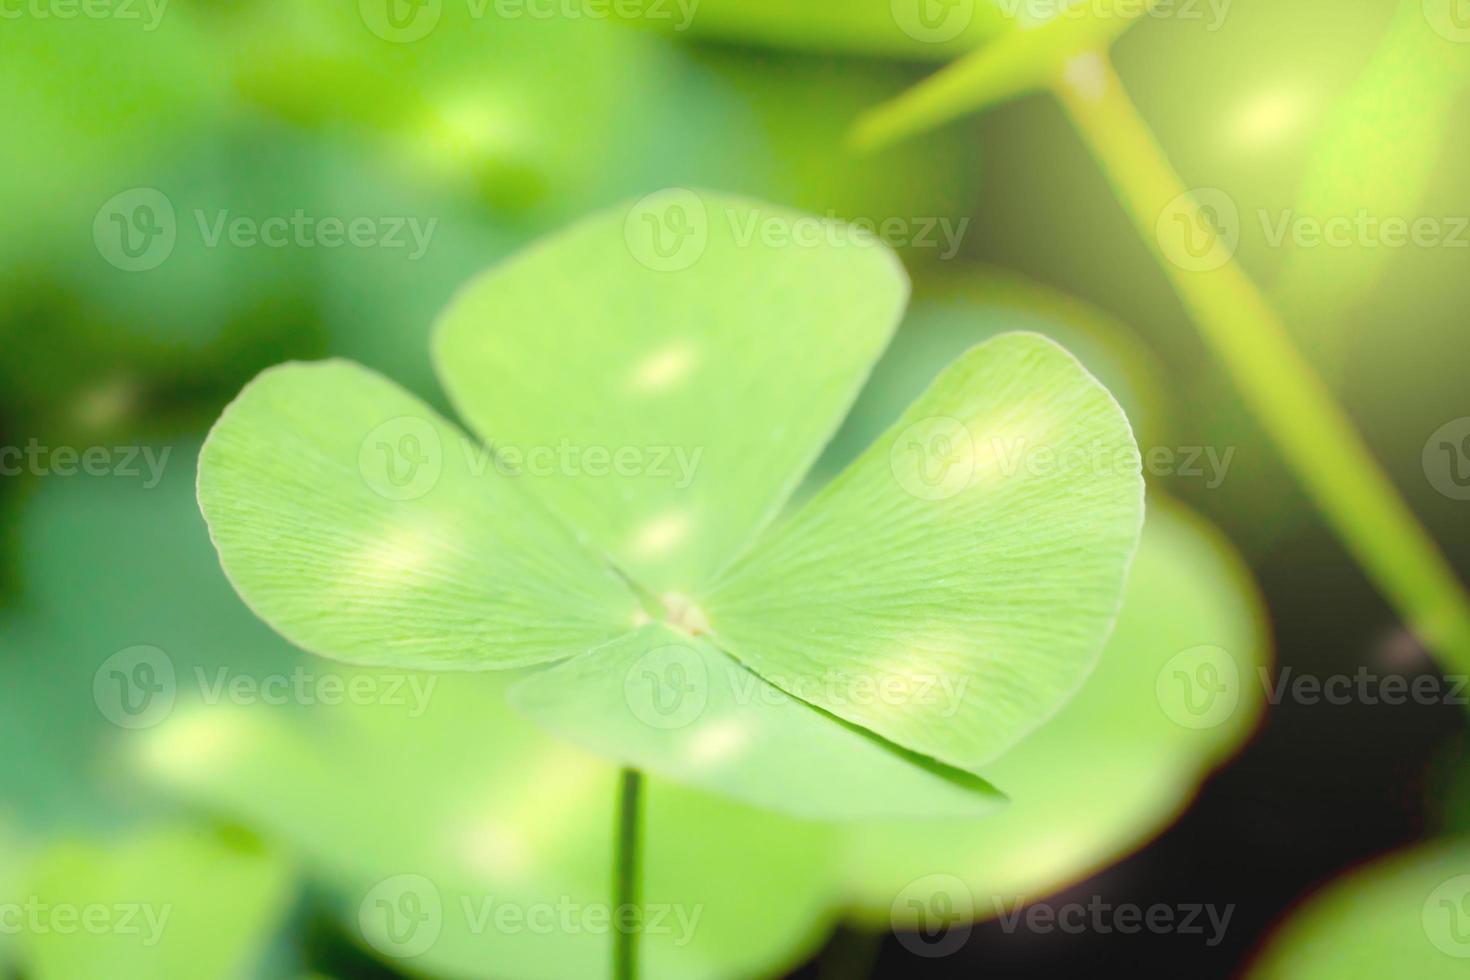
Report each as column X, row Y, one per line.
column 626, row 874
column 1280, row 386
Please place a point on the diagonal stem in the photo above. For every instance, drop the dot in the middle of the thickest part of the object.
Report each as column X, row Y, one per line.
column 1290, row 401
column 626, row 912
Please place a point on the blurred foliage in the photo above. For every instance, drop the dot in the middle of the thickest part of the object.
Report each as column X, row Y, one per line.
column 172, row 904
column 915, row 29
column 1407, row 914
column 300, row 108
column 137, row 559
column 483, row 806
column 1377, row 156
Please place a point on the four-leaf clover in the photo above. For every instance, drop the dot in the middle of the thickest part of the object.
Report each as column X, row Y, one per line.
column 643, row 425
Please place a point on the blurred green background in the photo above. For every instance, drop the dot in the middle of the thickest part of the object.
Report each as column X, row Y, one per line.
column 197, row 190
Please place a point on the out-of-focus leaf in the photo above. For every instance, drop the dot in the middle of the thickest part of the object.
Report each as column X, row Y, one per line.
column 697, row 349
column 969, row 564
column 378, row 304
column 714, row 117
column 452, row 799
column 12, row 871
column 366, row 528
column 121, row 614
column 1405, row 915
column 81, row 108
column 1374, row 160
column 458, row 92
column 129, row 147
column 172, row 905
column 773, row 126
column 1117, row 763
column 671, row 704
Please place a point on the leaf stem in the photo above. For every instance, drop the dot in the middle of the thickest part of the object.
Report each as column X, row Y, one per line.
column 1291, row 402
column 627, row 875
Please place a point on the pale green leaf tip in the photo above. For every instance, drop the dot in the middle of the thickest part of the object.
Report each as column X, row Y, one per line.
column 1136, row 534
column 263, row 378
column 445, row 320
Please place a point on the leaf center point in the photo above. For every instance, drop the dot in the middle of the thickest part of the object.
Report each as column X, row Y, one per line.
column 682, row 614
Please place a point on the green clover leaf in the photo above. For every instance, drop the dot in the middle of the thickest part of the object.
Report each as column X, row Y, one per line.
column 650, row 386
column 677, row 705
column 725, row 340
column 1116, row 765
